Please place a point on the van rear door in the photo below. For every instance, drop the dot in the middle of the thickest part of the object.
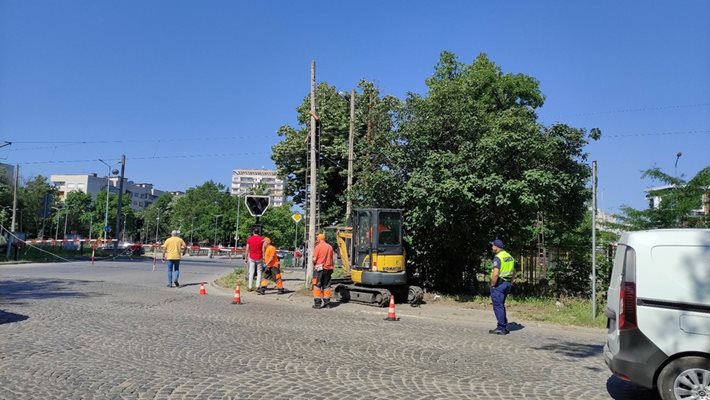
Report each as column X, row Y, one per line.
column 612, row 299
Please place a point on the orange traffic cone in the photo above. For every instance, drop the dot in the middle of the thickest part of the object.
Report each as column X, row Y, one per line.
column 202, row 289
column 390, row 314
column 237, row 296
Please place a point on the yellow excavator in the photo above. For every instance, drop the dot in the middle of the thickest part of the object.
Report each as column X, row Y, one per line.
column 373, row 258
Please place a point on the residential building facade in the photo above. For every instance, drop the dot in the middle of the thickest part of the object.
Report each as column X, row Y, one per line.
column 244, row 181
column 142, row 194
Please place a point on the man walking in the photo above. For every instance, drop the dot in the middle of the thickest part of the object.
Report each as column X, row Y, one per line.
column 173, row 248
column 502, row 275
column 272, row 270
column 255, row 257
column 322, row 272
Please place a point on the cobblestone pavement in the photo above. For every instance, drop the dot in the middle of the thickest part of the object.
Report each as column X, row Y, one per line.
column 115, row 331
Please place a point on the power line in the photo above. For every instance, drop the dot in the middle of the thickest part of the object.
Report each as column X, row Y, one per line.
column 145, row 158
column 640, row 109
column 68, row 143
column 656, row 134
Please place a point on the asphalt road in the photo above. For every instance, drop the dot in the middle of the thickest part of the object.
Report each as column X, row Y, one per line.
column 115, row 331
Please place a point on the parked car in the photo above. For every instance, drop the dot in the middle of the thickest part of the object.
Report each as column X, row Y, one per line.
column 658, row 305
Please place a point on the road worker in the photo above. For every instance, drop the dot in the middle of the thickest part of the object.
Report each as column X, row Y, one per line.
column 272, row 269
column 322, row 272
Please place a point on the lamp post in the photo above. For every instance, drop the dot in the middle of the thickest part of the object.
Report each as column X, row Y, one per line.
column 66, row 216
column 157, row 224
column 56, row 230
column 236, row 234
column 108, row 187
column 216, row 216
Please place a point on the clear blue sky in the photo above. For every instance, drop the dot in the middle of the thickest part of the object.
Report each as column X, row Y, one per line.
column 215, row 79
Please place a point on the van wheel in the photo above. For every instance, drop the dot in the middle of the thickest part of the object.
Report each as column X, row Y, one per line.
column 685, row 378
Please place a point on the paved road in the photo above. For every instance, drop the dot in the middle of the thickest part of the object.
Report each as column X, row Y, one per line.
column 71, row 331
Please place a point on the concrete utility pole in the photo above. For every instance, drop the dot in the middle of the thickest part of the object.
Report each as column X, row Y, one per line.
column 351, row 140
column 594, row 240
column 313, row 192
column 14, row 197
column 120, row 203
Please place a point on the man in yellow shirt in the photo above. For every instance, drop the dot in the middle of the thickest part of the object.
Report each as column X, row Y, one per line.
column 174, row 247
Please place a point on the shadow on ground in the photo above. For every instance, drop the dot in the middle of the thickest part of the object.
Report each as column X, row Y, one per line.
column 570, row 349
column 32, row 289
column 8, row 317
column 622, row 390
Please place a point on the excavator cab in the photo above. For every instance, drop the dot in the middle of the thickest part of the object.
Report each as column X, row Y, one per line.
column 373, row 258
column 376, row 247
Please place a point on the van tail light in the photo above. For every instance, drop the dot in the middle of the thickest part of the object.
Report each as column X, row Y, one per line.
column 627, row 306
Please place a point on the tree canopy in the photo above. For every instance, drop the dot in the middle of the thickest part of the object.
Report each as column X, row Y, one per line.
column 468, row 162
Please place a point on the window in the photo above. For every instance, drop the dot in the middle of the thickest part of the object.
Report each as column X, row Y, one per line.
column 390, row 228
column 71, row 186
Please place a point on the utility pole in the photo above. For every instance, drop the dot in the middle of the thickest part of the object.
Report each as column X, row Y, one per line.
column 120, row 203
column 236, row 233
column 351, row 139
column 594, row 239
column 313, row 192
column 14, row 197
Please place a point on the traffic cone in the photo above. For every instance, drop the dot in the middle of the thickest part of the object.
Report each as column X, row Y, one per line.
column 237, row 296
column 390, row 314
column 202, row 289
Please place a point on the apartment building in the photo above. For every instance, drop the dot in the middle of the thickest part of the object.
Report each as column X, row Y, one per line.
column 142, row 194
column 244, row 181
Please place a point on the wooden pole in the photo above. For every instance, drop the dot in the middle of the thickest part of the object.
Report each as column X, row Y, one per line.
column 313, row 191
column 351, row 140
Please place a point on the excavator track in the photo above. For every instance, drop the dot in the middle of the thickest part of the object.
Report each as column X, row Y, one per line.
column 377, row 296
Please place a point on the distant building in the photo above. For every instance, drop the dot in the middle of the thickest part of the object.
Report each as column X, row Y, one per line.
column 245, row 180
column 9, row 171
column 654, row 196
column 142, row 194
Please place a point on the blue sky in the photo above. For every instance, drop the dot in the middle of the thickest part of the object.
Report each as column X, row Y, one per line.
column 191, row 90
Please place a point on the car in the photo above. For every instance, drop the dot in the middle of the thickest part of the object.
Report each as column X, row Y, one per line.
column 658, row 309
column 283, row 253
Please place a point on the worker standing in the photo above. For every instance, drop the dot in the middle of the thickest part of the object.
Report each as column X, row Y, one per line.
column 322, row 272
column 255, row 257
column 502, row 276
column 173, row 248
column 272, row 268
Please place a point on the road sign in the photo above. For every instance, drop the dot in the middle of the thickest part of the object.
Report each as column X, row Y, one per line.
column 107, row 228
column 257, row 205
column 296, row 217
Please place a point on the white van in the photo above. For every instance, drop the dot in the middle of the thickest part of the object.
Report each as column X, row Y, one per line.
column 658, row 305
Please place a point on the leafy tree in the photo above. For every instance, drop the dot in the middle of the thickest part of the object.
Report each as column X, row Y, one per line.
column 372, row 134
column 477, row 166
column 678, row 200
column 468, row 162
column 279, row 226
column 30, row 202
column 98, row 215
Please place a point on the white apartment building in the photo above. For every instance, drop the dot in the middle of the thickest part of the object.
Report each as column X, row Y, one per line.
column 654, row 196
column 244, row 181
column 142, row 194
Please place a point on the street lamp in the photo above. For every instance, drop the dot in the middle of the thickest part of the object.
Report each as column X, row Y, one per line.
column 215, row 227
column 192, row 228
column 56, row 231
column 108, row 187
column 157, row 224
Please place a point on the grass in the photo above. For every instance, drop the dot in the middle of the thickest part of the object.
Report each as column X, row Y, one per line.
column 566, row 311
column 230, row 280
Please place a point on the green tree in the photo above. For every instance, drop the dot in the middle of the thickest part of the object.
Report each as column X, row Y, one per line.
column 477, row 166
column 279, row 226
column 373, row 120
column 679, row 198
column 30, row 201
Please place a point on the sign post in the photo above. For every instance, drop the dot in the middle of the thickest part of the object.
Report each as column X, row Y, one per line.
column 296, row 218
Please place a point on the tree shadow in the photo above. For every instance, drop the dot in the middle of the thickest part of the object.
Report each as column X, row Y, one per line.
column 576, row 350
column 8, row 317
column 32, row 289
column 622, row 390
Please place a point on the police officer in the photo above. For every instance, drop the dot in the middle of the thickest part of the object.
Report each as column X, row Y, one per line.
column 501, row 277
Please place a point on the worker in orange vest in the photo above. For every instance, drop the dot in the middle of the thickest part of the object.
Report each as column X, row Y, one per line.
column 273, row 269
column 322, row 272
